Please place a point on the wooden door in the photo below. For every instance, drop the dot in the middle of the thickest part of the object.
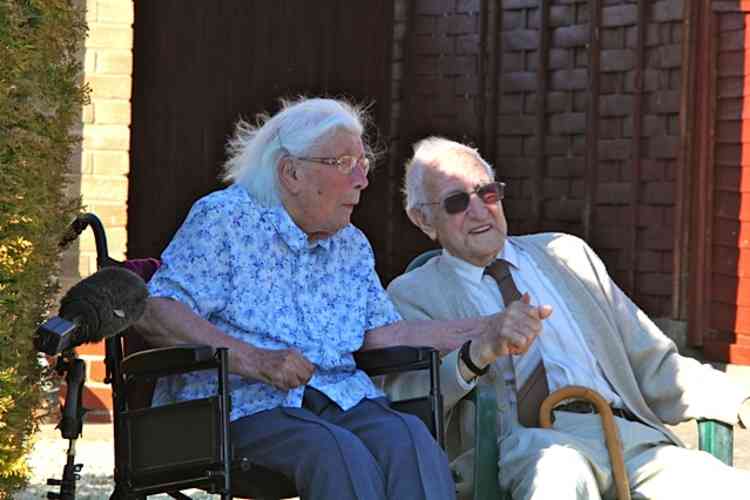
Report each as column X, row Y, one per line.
column 200, row 65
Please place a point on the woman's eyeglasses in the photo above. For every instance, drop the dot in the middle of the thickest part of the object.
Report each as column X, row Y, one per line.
column 345, row 164
column 457, row 203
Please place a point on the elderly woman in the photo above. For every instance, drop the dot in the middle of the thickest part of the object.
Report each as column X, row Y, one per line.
column 271, row 268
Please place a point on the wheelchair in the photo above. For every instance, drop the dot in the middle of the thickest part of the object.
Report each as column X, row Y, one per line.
column 152, row 454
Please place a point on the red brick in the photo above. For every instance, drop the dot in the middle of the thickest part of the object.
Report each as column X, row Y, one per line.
column 654, row 283
column 458, row 65
column 582, row 12
column 608, row 215
column 91, row 349
column 434, row 7
column 658, row 193
column 732, row 40
column 663, row 102
column 519, row 4
column 649, row 261
column 509, row 146
column 576, row 35
column 425, row 24
column 657, row 238
column 554, row 145
column 615, row 105
column 730, row 109
column 581, row 101
column 513, row 62
column 567, row 123
column 666, row 10
column 519, row 81
column 731, row 64
column 511, row 104
column 427, row 66
column 555, row 188
column 731, row 87
column 467, row 6
column 613, row 193
column 559, row 15
column 564, row 210
column 558, row 59
column 613, row 38
column 576, row 79
column 610, row 128
column 517, row 167
column 651, row 125
column 520, row 40
column 433, row 45
column 98, row 417
column 457, row 24
column 565, row 167
column 97, row 371
column 468, row 84
column 731, row 21
column 512, row 19
column 609, row 171
column 617, row 149
column 467, row 44
column 557, row 102
column 609, row 237
column 619, row 15
column 610, row 83
column 663, row 147
column 617, row 60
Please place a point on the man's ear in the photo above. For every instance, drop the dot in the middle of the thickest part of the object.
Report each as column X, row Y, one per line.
column 419, row 219
column 288, row 177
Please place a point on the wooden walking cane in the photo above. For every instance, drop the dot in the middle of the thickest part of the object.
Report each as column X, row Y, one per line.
column 611, row 436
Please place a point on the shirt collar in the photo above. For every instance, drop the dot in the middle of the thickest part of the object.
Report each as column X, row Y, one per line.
column 289, row 232
column 470, row 272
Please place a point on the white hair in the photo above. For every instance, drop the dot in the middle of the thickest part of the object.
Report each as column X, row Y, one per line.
column 428, row 153
column 302, row 124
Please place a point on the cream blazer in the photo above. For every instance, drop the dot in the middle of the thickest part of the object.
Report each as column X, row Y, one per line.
column 639, row 361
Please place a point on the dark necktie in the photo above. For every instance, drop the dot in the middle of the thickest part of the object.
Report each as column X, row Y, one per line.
column 534, row 389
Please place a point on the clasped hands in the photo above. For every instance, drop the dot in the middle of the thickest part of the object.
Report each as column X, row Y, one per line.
column 509, row 332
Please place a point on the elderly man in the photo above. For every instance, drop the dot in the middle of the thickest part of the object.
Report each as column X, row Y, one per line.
column 272, row 269
column 590, row 334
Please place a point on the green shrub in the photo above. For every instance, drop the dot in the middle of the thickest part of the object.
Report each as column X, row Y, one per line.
column 41, row 95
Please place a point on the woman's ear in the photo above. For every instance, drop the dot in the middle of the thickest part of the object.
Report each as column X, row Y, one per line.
column 420, row 219
column 288, row 177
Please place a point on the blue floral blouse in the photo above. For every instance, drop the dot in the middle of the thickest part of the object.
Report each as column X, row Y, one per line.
column 251, row 271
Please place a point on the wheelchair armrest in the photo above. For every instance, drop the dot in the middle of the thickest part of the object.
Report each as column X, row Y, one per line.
column 717, row 438
column 393, row 359
column 486, row 454
column 168, row 360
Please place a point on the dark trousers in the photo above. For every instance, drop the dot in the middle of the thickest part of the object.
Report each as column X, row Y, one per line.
column 370, row 452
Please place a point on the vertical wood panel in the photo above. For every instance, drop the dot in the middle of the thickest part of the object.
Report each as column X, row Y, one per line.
column 199, row 66
column 542, row 78
column 592, row 119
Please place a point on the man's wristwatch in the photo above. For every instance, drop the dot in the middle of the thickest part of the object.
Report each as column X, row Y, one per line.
column 466, row 358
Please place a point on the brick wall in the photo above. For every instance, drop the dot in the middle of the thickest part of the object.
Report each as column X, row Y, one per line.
column 571, row 164
column 100, row 167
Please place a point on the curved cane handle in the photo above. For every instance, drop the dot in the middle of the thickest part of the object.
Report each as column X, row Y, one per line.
column 611, row 436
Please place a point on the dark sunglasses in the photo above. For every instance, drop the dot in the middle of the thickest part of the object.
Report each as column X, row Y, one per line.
column 457, row 203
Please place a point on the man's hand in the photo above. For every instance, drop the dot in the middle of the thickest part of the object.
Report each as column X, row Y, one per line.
column 282, row 368
column 511, row 331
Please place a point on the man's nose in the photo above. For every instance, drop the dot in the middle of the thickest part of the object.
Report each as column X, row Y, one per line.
column 476, row 207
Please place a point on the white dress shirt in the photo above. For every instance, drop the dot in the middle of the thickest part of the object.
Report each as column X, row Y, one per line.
column 567, row 359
